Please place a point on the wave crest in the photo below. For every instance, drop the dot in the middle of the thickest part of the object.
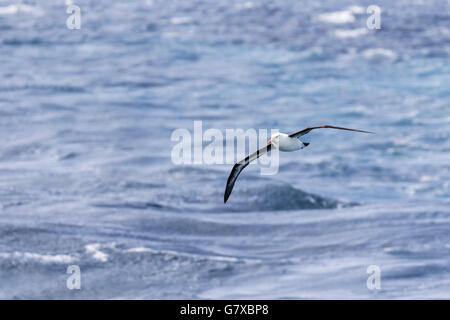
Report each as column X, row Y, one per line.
column 274, row 197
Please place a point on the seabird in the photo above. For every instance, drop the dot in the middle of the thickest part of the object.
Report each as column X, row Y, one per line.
column 283, row 142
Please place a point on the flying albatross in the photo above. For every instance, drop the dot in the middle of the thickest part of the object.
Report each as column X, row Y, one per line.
column 283, row 142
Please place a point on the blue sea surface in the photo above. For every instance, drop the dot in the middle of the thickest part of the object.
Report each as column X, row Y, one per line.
column 87, row 179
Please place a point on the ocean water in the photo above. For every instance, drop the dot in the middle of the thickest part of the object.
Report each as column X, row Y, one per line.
column 86, row 176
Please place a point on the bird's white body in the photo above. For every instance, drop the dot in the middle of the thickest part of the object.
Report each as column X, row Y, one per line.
column 284, row 143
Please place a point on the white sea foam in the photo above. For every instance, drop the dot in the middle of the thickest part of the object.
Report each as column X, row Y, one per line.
column 341, row 17
column 139, row 250
column 22, row 8
column 180, row 20
column 246, row 5
column 169, row 253
column 11, row 9
column 43, row 258
column 356, row 9
column 379, row 54
column 337, row 17
column 94, row 250
column 350, row 33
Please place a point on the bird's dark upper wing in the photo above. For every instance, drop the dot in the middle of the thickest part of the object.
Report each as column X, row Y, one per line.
column 239, row 166
column 307, row 130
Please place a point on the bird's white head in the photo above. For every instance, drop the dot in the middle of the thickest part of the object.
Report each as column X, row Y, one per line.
column 274, row 139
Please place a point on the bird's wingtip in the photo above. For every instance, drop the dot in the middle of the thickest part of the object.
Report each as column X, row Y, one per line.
column 226, row 195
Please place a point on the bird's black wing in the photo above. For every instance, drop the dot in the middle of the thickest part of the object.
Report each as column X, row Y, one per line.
column 239, row 166
column 307, row 130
